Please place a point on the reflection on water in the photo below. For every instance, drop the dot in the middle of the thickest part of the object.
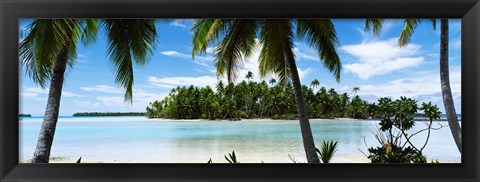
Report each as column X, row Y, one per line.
column 136, row 139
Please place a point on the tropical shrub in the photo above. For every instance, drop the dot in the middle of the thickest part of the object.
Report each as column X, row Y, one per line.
column 396, row 154
column 231, row 158
column 327, row 150
column 397, row 119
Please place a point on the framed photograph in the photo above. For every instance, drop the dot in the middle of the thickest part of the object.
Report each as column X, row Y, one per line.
column 239, row 90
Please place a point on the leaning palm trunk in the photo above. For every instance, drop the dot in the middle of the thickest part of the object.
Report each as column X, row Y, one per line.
column 306, row 131
column 47, row 131
column 445, row 83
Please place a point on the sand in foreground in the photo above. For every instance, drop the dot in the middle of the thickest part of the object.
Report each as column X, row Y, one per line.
column 334, row 160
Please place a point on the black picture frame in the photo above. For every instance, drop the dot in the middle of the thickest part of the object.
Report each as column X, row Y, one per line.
column 12, row 10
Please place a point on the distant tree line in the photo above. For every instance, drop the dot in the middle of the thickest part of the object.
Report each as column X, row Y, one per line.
column 257, row 100
column 109, row 114
column 24, row 115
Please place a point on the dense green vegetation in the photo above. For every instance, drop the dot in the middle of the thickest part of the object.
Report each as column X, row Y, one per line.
column 109, row 114
column 24, row 115
column 256, row 100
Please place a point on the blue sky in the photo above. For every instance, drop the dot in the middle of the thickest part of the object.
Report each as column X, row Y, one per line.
column 374, row 63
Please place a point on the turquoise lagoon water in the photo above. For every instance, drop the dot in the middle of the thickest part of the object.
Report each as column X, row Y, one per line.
column 137, row 139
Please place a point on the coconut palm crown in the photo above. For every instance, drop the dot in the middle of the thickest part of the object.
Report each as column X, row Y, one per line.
column 50, row 45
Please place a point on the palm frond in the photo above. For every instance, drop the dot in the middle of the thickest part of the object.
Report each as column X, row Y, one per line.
column 407, row 31
column 129, row 40
column 321, row 35
column 206, row 32
column 143, row 39
column 434, row 23
column 77, row 32
column 375, row 25
column 409, row 28
column 44, row 40
column 39, row 72
column 276, row 38
column 238, row 43
column 90, row 31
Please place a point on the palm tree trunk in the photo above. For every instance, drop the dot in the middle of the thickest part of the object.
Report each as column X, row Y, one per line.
column 445, row 83
column 307, row 136
column 47, row 131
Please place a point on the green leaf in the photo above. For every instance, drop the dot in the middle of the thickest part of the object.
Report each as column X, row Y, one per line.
column 321, row 35
column 79, row 160
column 130, row 40
column 375, row 25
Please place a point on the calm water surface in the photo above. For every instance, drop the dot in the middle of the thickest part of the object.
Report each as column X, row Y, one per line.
column 137, row 139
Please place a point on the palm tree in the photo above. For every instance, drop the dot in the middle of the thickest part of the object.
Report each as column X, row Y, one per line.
column 220, row 87
column 410, row 25
column 248, row 76
column 276, row 57
column 355, row 90
column 50, row 46
column 315, row 83
column 272, row 81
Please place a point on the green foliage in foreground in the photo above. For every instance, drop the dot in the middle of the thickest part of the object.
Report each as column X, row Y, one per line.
column 109, row 114
column 327, row 150
column 232, row 159
column 396, row 154
column 79, row 160
column 398, row 118
column 255, row 100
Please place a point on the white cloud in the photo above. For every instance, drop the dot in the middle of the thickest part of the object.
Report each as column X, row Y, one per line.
column 172, row 82
column 116, row 102
column 87, row 104
column 111, row 101
column 175, row 54
column 209, row 50
column 303, row 73
column 366, row 35
column 82, row 58
column 302, row 54
column 182, row 23
column 424, row 87
column 41, row 94
column 381, row 57
column 102, row 88
column 32, row 92
column 200, row 60
column 457, row 44
column 71, row 94
column 365, row 70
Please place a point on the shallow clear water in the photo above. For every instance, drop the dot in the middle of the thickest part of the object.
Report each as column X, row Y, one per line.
column 137, row 139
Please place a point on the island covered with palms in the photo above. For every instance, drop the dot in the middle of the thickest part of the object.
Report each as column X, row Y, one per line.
column 243, row 69
column 79, row 114
column 253, row 100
